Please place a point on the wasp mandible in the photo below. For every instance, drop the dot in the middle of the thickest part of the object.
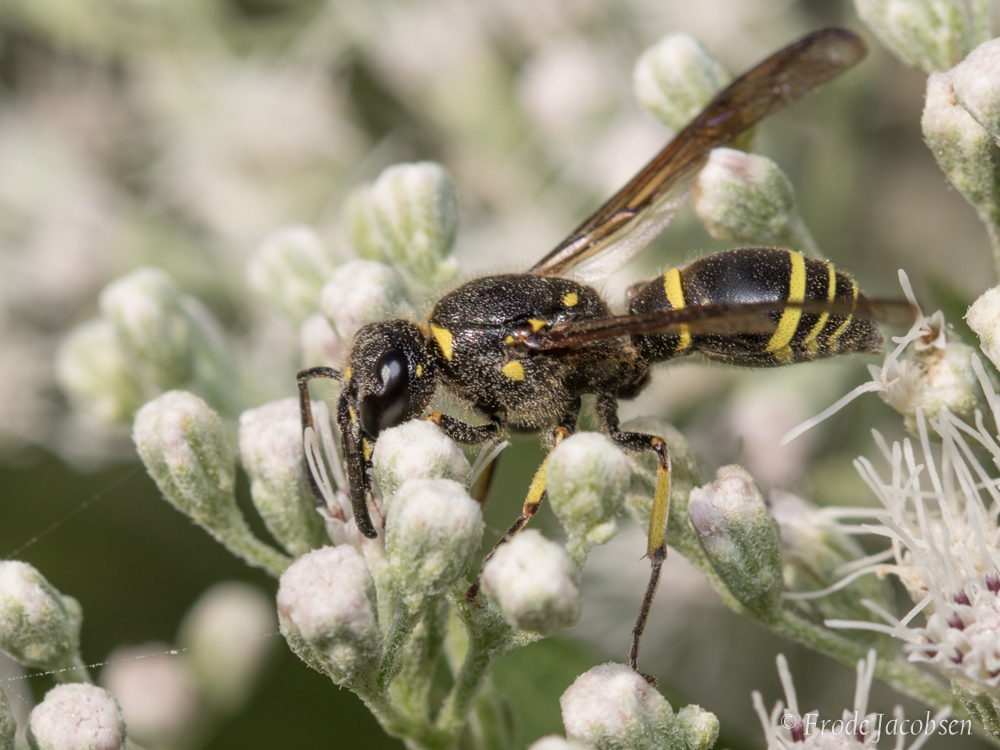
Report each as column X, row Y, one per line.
column 521, row 349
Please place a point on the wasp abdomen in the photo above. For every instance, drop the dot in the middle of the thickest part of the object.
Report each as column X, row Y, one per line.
column 757, row 275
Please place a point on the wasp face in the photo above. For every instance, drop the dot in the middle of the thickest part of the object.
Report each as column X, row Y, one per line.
column 392, row 375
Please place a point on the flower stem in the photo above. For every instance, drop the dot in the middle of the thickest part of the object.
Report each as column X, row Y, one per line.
column 238, row 539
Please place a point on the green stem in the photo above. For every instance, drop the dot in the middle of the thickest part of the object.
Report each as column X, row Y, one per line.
column 76, row 671
column 238, row 539
column 801, row 238
column 392, row 645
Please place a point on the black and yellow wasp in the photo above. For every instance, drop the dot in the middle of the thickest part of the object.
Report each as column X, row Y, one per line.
column 521, row 349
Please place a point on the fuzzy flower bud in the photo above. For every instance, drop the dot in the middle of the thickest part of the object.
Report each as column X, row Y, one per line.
column 928, row 34
column 813, row 555
column 170, row 340
column 184, row 446
column 699, row 727
column 964, row 150
column 327, row 613
column 410, row 215
column 533, row 582
column 359, row 292
column 555, row 742
column 416, row 450
column 976, row 82
column 77, row 717
column 320, row 344
column 7, row 725
column 271, row 452
column 39, row 627
column 289, row 269
column 93, row 371
column 939, row 376
column 983, row 317
column 157, row 692
column 747, row 198
column 224, row 634
column 587, row 480
column 740, row 537
column 433, row 528
column 675, row 78
column 148, row 316
column 613, row 708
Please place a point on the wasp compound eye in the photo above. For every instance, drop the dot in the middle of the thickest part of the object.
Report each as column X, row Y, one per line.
column 388, row 406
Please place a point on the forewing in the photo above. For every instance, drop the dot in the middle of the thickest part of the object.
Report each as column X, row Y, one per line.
column 780, row 80
column 700, row 320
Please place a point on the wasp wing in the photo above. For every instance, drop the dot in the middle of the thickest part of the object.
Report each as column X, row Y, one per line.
column 721, row 319
column 641, row 209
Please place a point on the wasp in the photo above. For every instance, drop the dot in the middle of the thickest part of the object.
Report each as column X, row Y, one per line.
column 521, row 349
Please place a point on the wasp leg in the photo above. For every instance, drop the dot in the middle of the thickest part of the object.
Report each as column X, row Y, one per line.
column 635, row 443
column 305, row 409
column 531, row 505
column 473, row 434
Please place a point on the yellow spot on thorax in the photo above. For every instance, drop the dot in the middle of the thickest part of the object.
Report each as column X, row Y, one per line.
column 347, row 373
column 571, row 299
column 443, row 338
column 420, row 370
column 779, row 343
column 537, row 324
column 675, row 296
column 513, row 370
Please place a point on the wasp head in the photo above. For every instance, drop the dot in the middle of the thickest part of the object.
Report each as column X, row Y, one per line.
column 391, row 374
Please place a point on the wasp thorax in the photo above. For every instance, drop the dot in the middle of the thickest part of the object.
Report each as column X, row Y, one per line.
column 392, row 373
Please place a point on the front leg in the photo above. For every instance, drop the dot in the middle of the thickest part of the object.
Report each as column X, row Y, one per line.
column 469, row 434
column 634, row 443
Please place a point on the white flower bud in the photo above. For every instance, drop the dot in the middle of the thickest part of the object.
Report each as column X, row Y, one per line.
column 157, row 693
column 675, row 78
column 416, row 215
column 416, row 450
column 186, row 451
column 169, row 340
column 225, row 637
column 184, row 446
column 8, row 727
column 587, row 479
column 360, row 225
column 271, row 452
column 699, row 727
column 289, row 269
column 433, row 529
column 555, row 742
column 740, row 537
column 747, row 198
column 77, row 717
column 320, row 343
column 93, row 371
column 983, row 318
column 976, row 82
column 936, row 377
column 533, row 582
column 145, row 307
column 612, row 707
column 967, row 154
column 327, row 613
column 359, row 292
column 39, row 627
column 927, row 34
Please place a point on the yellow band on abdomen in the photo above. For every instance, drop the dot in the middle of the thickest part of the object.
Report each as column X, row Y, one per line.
column 810, row 341
column 675, row 296
column 790, row 317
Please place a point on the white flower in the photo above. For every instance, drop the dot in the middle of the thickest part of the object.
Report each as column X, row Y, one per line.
column 940, row 512
column 788, row 728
